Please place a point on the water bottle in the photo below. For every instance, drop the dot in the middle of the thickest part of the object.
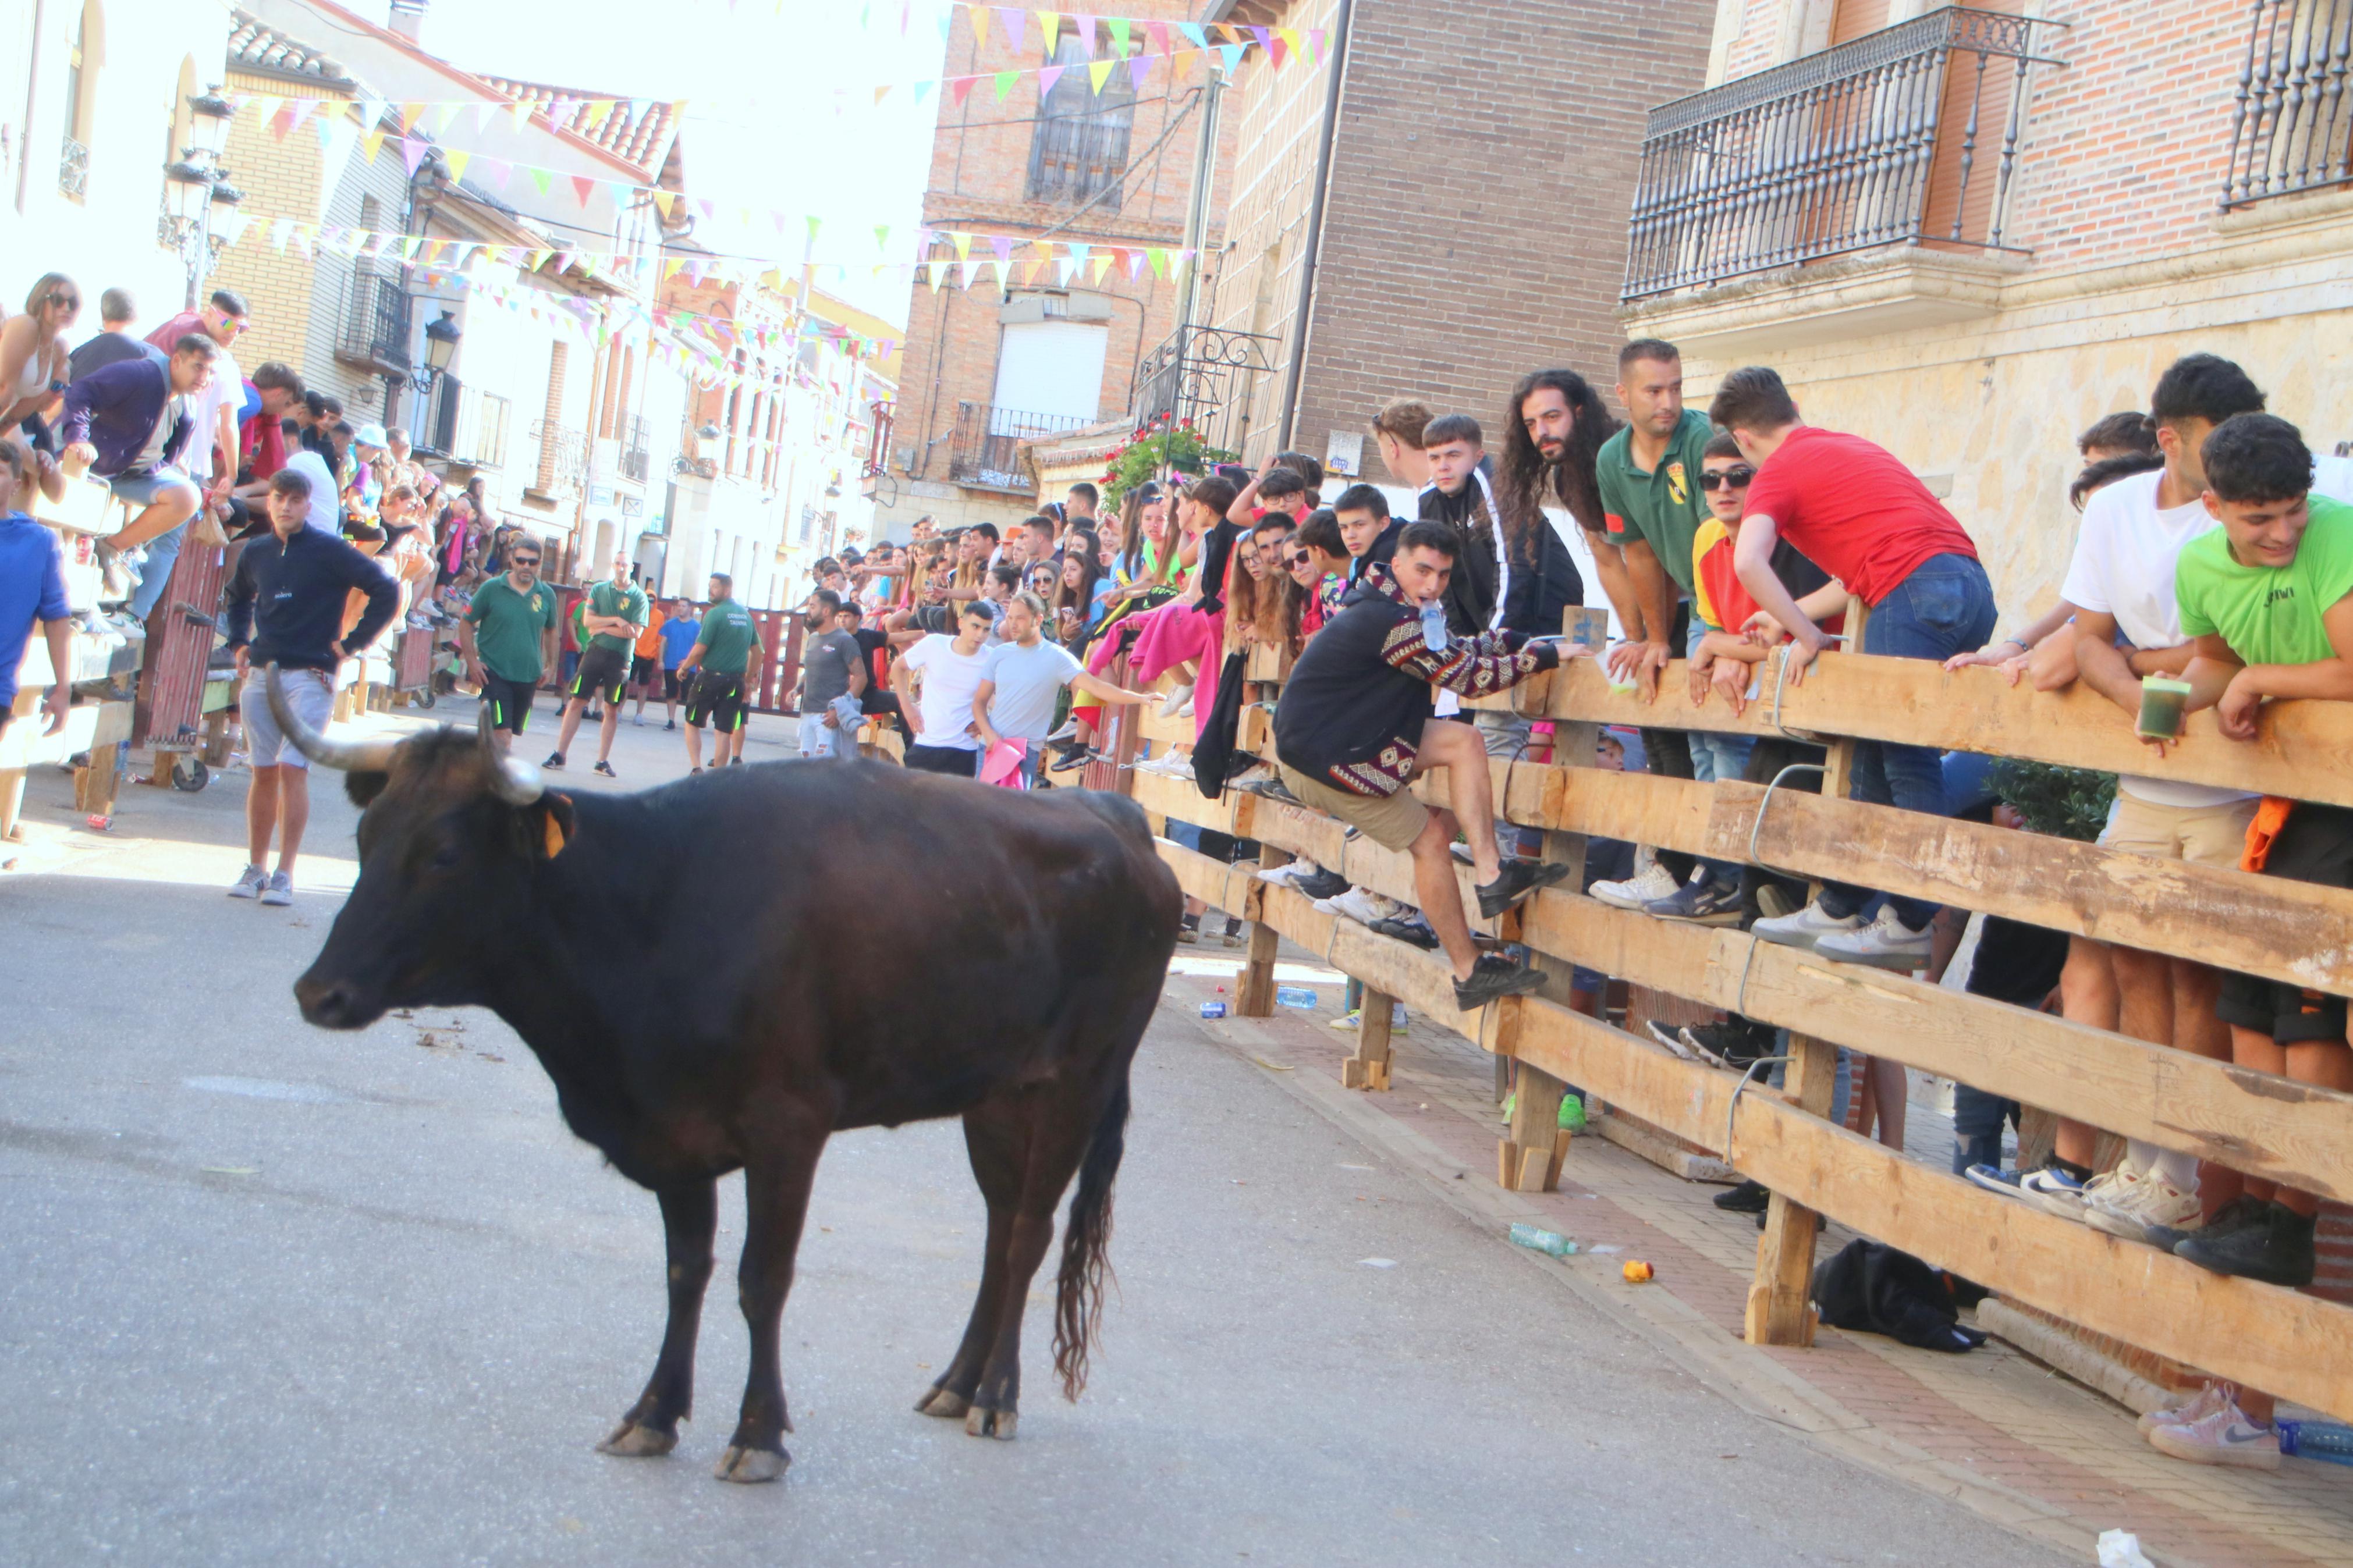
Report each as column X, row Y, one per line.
column 2326, row 1440
column 1295, row 995
column 1549, row 1242
column 1213, row 1009
column 1433, row 627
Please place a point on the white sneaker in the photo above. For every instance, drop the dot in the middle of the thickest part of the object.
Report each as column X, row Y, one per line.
column 249, row 883
column 1653, row 881
column 1805, row 928
column 1287, row 875
column 279, row 890
column 1362, row 905
column 1886, row 939
column 2133, row 1212
column 2223, row 1435
column 2053, row 1191
column 2210, row 1396
column 1174, row 701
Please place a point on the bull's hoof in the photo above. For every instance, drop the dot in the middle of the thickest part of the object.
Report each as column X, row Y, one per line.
column 942, row 1401
column 998, row 1424
column 749, row 1465
column 631, row 1441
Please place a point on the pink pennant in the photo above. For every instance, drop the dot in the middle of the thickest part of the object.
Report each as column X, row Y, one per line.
column 1265, row 39
column 1158, row 32
column 1085, row 29
column 1139, row 67
column 1011, row 21
column 1003, row 245
column 585, row 185
column 497, row 169
column 961, row 87
column 1047, row 77
column 413, row 151
column 1135, row 260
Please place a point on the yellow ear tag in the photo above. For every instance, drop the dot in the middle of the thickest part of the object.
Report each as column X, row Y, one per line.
column 554, row 836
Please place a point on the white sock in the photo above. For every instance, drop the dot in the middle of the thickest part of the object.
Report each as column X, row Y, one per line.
column 2150, row 1160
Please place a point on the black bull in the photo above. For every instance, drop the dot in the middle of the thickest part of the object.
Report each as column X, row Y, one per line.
column 721, row 972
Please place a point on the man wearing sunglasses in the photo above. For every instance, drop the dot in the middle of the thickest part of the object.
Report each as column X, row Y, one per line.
column 217, row 408
column 507, row 638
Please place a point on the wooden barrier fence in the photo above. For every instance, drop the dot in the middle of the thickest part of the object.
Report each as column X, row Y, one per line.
column 2283, row 1341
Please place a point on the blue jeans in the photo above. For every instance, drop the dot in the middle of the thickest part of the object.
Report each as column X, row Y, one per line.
column 1716, row 759
column 1943, row 607
column 1978, row 1119
column 163, row 554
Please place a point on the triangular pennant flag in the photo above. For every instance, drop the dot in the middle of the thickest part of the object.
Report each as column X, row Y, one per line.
column 497, row 169
column 1286, row 43
column 1193, row 34
column 813, row 224
column 939, row 271
column 665, row 200
column 1182, row 62
column 960, row 87
column 923, row 89
column 511, row 255
column 1101, row 265
column 458, row 161
column 410, row 113
column 598, row 111
column 408, row 246
column 543, row 178
column 1005, row 80
column 1315, row 36
column 881, row 236
column 325, row 127
column 412, row 150
column 979, row 28
column 1100, row 72
column 881, row 93
column 521, row 108
column 1029, row 271
column 999, row 264
column 267, row 106
column 1002, row 244
column 1047, row 77
column 446, row 114
column 1118, row 25
column 1135, row 265
column 585, row 187
column 301, row 107
column 1069, row 267
column 433, row 249
column 1049, row 23
column 1084, row 27
column 970, row 268
column 1139, row 68
column 1013, row 22
column 963, row 244
column 1233, row 53
column 278, row 233
column 1158, row 257
column 302, row 239
column 372, row 111
column 484, row 112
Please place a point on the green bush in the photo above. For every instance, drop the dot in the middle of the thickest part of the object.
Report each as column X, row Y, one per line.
column 1154, row 450
column 2065, row 803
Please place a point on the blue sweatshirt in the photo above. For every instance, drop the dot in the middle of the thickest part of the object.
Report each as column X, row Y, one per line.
column 32, row 589
column 287, row 598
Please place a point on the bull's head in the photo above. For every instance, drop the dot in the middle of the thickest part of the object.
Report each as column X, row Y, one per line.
column 452, row 838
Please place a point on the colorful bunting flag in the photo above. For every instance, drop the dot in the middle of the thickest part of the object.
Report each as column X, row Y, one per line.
column 1100, row 72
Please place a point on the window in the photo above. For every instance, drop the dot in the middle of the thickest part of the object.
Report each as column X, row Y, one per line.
column 83, row 52
column 1052, row 368
column 1080, row 148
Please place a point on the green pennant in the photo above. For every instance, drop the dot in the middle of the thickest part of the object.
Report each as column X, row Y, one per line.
column 543, row 178
column 1005, row 80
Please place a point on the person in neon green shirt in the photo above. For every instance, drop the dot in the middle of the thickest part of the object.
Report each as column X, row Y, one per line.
column 2268, row 599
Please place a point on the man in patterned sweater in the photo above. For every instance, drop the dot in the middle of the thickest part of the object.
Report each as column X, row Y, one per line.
column 1354, row 728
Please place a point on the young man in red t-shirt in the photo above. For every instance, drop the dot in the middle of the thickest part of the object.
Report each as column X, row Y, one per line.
column 1861, row 515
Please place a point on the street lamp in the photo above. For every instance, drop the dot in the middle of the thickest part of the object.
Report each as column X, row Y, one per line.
column 199, row 203
column 440, row 348
column 208, row 120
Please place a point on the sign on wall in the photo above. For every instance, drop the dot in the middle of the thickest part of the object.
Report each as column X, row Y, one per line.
column 1344, row 453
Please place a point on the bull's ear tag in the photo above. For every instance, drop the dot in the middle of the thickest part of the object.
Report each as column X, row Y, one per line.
column 555, row 830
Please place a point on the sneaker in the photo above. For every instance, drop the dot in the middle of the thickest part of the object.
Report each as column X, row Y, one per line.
column 1320, row 884
column 734, row 762
column 673, row 724
column 279, row 889
column 1493, row 978
column 1703, row 900
column 1886, row 939
column 1749, row 1197
column 1362, row 905
column 1515, row 881
column 1288, row 874
column 595, row 715
column 1462, row 852
column 1736, row 1044
column 1175, row 700
column 1069, row 756
column 1805, row 928
column 1773, row 900
column 640, row 720
column 607, row 769
column 1232, row 936
column 555, row 759
column 1672, row 1040
column 2274, row 1245
column 2152, row 1204
column 1413, row 929
column 1185, row 711
column 1188, row 935
column 2223, row 1435
column 1068, row 731
column 1351, row 1021
column 2046, row 1186
column 1645, row 887
column 2210, row 1396
column 249, row 883
column 2235, row 1213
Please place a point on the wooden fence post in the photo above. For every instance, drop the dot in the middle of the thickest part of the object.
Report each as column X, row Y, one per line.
column 1369, row 1068
column 1529, row 1158
column 1781, row 1297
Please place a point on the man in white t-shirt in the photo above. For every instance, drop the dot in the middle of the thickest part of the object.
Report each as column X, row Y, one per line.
column 944, row 737
column 1021, row 682
column 2121, row 580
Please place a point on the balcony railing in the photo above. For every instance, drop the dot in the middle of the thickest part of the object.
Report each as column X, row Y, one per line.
column 375, row 324
column 462, row 424
column 73, row 169
column 985, row 450
column 1206, row 375
column 2293, row 128
column 1906, row 136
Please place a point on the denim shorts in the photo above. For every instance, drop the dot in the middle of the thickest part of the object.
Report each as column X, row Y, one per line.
column 142, row 486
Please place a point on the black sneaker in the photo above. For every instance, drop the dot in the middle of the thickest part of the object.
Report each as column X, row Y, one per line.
column 607, row 769
column 1272, row 788
column 734, row 762
column 1701, row 902
column 1493, row 979
column 671, row 725
column 2239, row 1211
column 1069, row 757
column 1514, row 881
column 1416, row 931
column 2274, row 1245
column 1732, row 1043
column 1749, row 1197
column 555, row 759
column 1321, row 885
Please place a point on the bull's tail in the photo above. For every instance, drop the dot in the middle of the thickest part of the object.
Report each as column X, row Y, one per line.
column 1086, row 1240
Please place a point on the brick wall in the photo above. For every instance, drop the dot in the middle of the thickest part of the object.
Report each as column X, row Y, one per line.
column 1475, row 228
column 281, row 178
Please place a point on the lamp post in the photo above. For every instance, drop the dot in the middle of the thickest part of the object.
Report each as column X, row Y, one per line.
column 441, row 348
column 200, row 205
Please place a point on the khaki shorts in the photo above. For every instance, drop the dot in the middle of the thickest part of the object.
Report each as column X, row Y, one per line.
column 2202, row 835
column 1393, row 822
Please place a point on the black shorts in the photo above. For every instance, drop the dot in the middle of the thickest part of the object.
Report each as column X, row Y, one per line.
column 602, row 670
column 2315, row 846
column 959, row 762
column 671, row 686
column 717, row 699
column 510, row 701
column 641, row 671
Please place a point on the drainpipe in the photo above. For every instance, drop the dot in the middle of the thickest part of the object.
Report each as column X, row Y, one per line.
column 1304, row 315
column 32, row 98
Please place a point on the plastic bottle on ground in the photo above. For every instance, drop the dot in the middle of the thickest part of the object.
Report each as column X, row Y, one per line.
column 1536, row 1240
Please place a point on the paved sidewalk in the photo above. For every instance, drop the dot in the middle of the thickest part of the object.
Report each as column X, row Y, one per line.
column 1992, row 1430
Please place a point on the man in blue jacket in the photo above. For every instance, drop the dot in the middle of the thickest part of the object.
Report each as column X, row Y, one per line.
column 127, row 424
column 286, row 607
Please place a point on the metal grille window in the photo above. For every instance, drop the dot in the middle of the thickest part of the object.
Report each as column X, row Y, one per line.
column 1080, row 148
column 2293, row 127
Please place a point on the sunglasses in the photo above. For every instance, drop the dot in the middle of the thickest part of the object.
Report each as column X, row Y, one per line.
column 1302, row 560
column 1736, row 477
column 526, row 560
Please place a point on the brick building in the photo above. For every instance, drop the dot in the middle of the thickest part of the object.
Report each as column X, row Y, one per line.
column 2052, row 230
column 1103, row 162
column 1436, row 219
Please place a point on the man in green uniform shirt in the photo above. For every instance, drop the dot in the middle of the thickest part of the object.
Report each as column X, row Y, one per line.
column 721, row 653
column 516, row 614
column 615, row 615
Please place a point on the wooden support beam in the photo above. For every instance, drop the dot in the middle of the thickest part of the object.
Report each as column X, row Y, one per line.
column 11, row 802
column 95, row 783
column 215, row 753
column 1369, row 1068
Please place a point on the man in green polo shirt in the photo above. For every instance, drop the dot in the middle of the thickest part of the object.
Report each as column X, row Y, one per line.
column 516, row 618
column 717, row 663
column 616, row 614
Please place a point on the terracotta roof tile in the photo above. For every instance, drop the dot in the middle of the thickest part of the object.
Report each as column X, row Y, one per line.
column 639, row 129
column 252, row 43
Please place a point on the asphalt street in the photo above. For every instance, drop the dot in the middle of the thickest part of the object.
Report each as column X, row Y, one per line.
column 272, row 1295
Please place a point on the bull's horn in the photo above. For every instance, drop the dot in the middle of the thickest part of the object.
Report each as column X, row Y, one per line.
column 513, row 780
column 350, row 756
